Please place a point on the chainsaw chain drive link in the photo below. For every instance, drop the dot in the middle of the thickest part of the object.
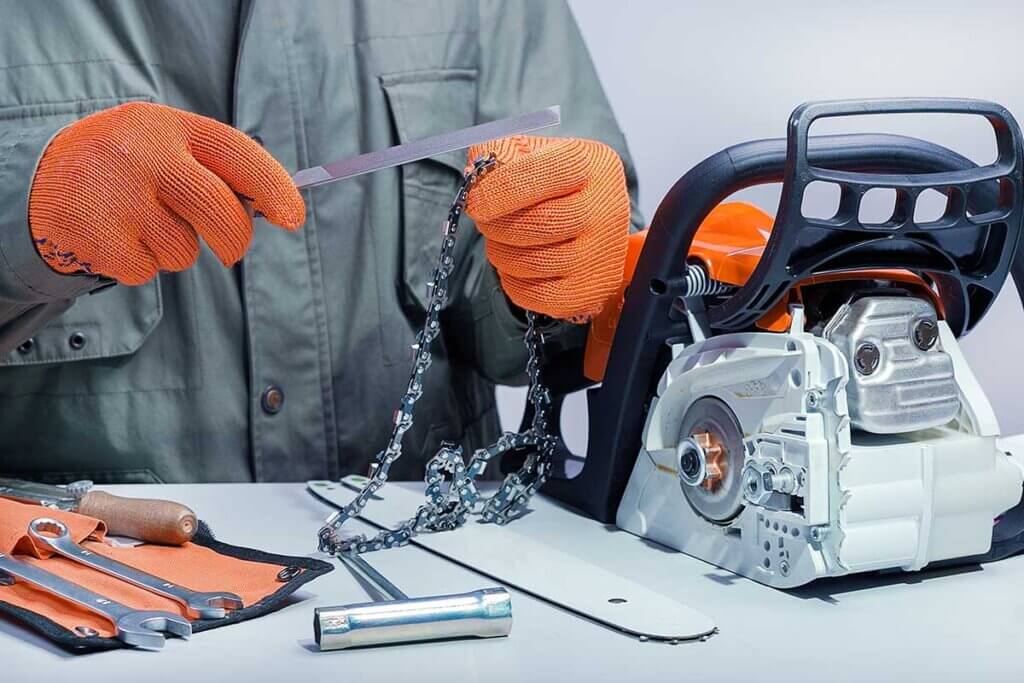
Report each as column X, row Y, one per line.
column 451, row 492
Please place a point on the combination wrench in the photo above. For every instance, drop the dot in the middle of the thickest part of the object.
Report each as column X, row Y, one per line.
column 54, row 535
column 140, row 628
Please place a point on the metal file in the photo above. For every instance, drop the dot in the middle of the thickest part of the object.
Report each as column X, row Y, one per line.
column 426, row 148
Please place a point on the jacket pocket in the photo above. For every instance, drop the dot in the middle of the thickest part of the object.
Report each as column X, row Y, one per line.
column 425, row 103
column 79, row 351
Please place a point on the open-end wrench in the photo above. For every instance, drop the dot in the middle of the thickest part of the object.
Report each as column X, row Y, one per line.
column 54, row 535
column 140, row 628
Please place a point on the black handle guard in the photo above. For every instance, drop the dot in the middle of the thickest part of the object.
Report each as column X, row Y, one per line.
column 967, row 252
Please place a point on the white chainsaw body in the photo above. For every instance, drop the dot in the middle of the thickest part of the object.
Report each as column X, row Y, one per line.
column 820, row 493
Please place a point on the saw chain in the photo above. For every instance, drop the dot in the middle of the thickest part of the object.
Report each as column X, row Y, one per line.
column 452, row 494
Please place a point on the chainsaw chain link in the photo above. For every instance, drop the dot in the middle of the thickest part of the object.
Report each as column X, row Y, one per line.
column 452, row 493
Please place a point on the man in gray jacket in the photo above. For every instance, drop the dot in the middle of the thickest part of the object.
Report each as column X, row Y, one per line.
column 287, row 365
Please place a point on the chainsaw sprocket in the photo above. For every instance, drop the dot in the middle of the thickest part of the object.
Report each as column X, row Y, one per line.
column 719, row 496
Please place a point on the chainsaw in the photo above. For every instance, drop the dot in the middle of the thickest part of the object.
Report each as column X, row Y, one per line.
column 785, row 397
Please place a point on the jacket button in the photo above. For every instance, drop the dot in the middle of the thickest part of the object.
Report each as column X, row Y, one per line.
column 77, row 341
column 27, row 345
column 272, row 400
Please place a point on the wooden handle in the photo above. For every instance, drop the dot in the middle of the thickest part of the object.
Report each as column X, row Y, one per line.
column 153, row 521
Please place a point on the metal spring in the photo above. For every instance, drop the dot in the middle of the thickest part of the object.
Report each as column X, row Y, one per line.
column 698, row 283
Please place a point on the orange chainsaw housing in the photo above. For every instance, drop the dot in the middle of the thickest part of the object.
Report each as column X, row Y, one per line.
column 729, row 244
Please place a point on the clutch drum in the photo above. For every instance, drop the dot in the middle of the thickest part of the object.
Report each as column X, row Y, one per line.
column 711, row 456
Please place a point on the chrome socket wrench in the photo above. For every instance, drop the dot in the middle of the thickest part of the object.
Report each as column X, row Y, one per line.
column 140, row 628
column 54, row 535
column 399, row 619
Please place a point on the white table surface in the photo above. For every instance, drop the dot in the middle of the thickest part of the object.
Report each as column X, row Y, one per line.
column 932, row 626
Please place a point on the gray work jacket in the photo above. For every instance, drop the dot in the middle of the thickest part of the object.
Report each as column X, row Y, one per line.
column 175, row 380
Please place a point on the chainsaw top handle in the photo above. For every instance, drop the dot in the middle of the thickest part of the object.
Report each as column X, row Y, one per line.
column 967, row 252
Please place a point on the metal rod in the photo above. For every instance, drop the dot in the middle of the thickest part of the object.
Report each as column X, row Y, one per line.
column 364, row 569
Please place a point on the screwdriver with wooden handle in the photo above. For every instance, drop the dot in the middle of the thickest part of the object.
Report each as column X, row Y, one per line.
column 144, row 519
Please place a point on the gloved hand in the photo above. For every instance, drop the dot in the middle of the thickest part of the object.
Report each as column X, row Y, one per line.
column 127, row 191
column 555, row 216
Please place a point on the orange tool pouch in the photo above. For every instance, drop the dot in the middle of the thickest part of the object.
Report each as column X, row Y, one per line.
column 263, row 581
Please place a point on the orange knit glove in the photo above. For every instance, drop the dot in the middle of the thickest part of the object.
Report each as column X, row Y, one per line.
column 555, row 216
column 128, row 191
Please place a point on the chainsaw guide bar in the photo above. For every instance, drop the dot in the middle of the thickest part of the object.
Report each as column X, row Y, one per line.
column 524, row 556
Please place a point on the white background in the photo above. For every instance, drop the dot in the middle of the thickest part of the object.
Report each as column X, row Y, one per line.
column 687, row 79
